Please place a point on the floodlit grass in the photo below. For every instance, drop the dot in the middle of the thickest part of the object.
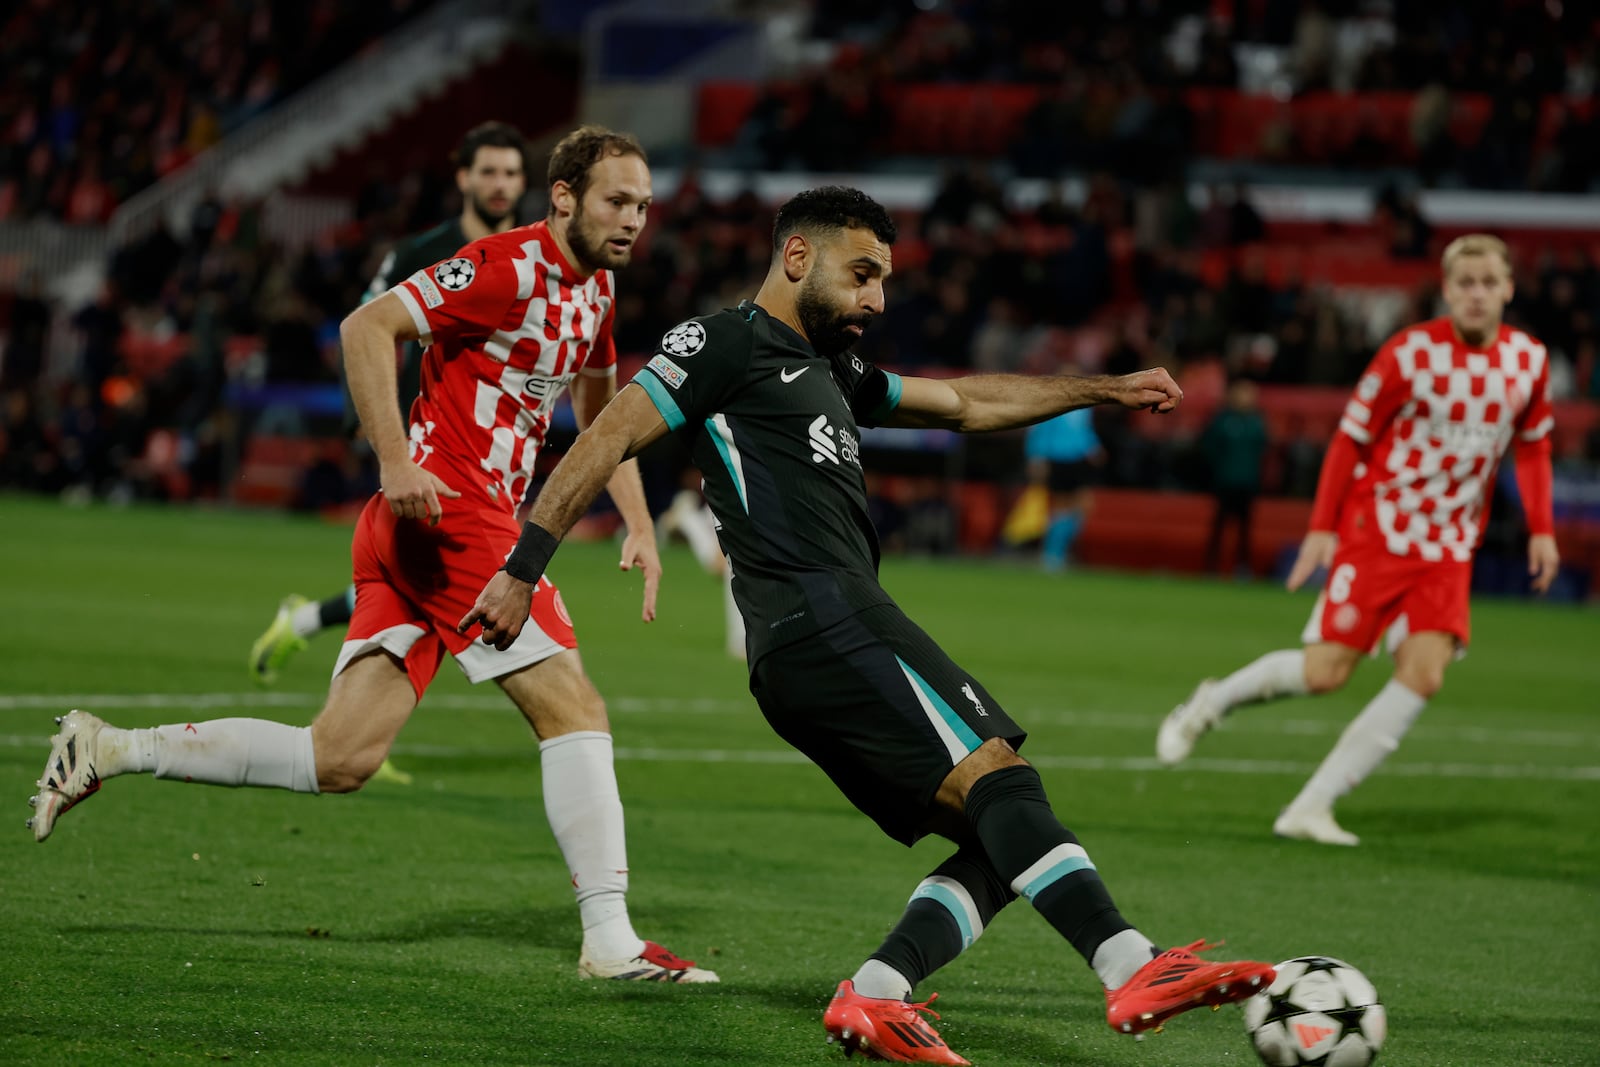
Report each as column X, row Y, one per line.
column 166, row 923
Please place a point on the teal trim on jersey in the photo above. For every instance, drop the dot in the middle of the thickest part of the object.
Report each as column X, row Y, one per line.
column 661, row 398
column 942, row 896
column 891, row 399
column 962, row 731
column 723, row 439
column 1055, row 874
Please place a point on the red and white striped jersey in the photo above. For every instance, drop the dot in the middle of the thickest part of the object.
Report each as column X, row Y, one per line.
column 1435, row 417
column 507, row 327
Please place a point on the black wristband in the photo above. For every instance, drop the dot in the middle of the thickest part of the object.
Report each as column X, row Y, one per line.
column 532, row 554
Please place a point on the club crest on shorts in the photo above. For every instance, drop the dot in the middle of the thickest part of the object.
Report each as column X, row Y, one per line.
column 455, row 274
column 684, row 339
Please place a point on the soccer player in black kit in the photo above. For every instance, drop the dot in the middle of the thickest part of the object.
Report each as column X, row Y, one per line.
column 768, row 398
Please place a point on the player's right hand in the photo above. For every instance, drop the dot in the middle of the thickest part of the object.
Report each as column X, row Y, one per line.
column 1315, row 551
column 413, row 493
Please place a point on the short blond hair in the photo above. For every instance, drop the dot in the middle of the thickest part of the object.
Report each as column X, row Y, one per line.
column 1474, row 244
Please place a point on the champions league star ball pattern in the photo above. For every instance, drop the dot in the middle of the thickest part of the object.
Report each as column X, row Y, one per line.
column 1320, row 1012
column 684, row 339
column 455, row 275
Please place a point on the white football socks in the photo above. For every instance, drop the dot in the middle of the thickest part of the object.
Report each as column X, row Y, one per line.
column 235, row 752
column 306, row 619
column 585, row 813
column 1277, row 674
column 1365, row 744
column 1120, row 956
column 878, row 979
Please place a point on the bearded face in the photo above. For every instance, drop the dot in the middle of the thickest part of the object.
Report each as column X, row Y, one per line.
column 608, row 218
column 831, row 320
column 595, row 247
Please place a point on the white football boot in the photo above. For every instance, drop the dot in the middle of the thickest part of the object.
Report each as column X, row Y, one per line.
column 654, row 964
column 70, row 776
column 1185, row 724
column 1315, row 826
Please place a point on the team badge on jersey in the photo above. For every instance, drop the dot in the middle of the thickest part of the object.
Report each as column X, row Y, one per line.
column 684, row 339
column 456, row 274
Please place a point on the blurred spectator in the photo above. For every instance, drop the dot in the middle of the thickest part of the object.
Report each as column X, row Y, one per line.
column 104, row 98
column 26, row 337
column 1234, row 445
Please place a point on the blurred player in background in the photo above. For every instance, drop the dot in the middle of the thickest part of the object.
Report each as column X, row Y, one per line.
column 509, row 323
column 491, row 175
column 1399, row 512
column 769, row 399
column 691, row 518
column 1062, row 454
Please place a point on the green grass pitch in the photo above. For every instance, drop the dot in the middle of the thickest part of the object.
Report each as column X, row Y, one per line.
column 175, row 924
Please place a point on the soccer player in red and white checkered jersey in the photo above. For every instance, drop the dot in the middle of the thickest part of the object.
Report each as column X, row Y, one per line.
column 511, row 321
column 1399, row 512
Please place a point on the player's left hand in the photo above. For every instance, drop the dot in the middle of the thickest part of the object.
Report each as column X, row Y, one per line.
column 1153, row 389
column 639, row 550
column 502, row 608
column 1544, row 560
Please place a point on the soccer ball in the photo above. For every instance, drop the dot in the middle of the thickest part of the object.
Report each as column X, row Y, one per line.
column 1320, row 1012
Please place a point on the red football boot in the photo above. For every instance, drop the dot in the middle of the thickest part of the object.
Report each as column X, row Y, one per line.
column 1178, row 980
column 885, row 1029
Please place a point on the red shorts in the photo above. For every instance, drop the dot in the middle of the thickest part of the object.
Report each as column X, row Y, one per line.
column 1375, row 599
column 414, row 582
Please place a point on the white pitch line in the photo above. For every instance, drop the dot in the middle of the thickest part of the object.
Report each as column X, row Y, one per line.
column 1256, row 725
column 1259, row 724
column 1488, row 771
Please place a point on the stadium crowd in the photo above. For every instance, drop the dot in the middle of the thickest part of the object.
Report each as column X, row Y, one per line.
column 102, row 100
column 1133, row 274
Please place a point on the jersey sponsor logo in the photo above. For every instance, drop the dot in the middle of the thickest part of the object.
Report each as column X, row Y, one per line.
column 789, row 376
column 971, row 694
column 455, row 274
column 1367, row 389
column 856, row 365
column 546, row 389
column 684, row 339
column 430, row 292
column 667, row 370
column 823, row 445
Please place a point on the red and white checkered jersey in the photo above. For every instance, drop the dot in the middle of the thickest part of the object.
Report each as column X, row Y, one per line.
column 508, row 325
column 1434, row 417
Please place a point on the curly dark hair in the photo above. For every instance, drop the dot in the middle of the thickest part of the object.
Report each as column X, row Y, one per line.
column 831, row 209
column 575, row 156
column 490, row 135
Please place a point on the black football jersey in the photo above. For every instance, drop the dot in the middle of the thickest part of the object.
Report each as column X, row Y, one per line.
column 774, row 429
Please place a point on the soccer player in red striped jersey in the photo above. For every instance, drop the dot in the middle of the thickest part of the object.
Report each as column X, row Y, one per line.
column 1399, row 513
column 510, row 322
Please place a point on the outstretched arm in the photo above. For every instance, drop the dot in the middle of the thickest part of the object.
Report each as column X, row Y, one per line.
column 626, row 426
column 1003, row 401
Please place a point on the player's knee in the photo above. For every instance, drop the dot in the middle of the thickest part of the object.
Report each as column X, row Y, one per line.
column 1326, row 674
column 346, row 772
column 1423, row 679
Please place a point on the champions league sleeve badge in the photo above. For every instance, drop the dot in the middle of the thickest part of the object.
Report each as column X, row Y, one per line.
column 455, row 274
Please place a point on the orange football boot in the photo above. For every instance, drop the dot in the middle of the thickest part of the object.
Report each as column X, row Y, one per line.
column 1178, row 980
column 885, row 1029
